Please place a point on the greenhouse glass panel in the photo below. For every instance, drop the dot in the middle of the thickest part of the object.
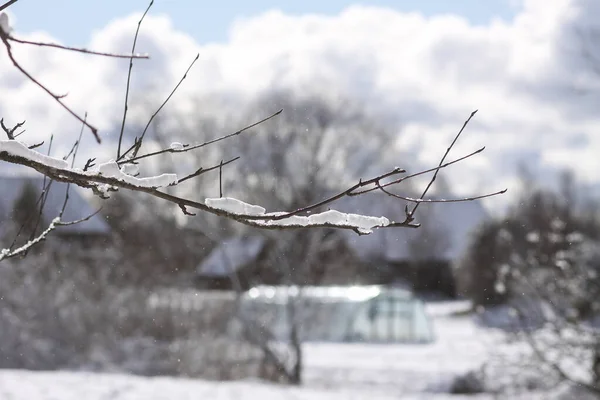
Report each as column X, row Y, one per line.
column 369, row 314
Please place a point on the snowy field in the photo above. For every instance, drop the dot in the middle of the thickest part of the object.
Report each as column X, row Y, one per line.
column 374, row 372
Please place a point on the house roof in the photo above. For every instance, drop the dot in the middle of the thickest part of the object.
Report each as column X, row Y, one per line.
column 231, row 255
column 454, row 221
column 11, row 188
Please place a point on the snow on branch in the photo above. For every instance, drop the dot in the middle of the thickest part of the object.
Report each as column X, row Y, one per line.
column 235, row 206
column 112, row 176
column 363, row 224
column 19, row 149
column 109, row 170
column 8, row 253
column 22, row 250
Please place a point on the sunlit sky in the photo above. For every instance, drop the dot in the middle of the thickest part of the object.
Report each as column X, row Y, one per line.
column 209, row 21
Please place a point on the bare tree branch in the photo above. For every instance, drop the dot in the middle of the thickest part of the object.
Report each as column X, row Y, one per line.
column 6, row 253
column 90, row 180
column 45, row 193
column 204, row 170
column 76, row 147
column 35, row 146
column 410, row 216
column 347, row 192
column 10, row 132
column 58, row 98
column 78, row 49
column 414, row 175
column 32, row 215
column 7, row 4
column 124, row 119
column 141, row 139
column 187, row 147
column 412, row 200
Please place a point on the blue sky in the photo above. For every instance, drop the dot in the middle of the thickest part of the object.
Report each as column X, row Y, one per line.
column 209, row 21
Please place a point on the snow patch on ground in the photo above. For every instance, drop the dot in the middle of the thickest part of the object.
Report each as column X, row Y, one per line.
column 333, row 371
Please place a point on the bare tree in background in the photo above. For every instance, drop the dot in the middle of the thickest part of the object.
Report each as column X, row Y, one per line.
column 333, row 143
column 555, row 265
column 543, row 262
column 313, row 151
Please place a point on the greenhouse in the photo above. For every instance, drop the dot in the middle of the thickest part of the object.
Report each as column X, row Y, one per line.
column 365, row 314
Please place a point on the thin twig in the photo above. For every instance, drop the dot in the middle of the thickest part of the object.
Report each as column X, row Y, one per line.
column 20, row 133
column 89, row 163
column 412, row 213
column 139, row 142
column 352, row 191
column 201, row 170
column 56, row 97
column 185, row 211
column 35, row 146
column 28, row 220
column 457, row 200
column 333, row 198
column 11, row 132
column 76, row 147
column 196, row 146
column 7, row 4
column 42, row 236
column 137, row 31
column 221, row 179
column 45, row 194
column 414, row 175
column 78, row 221
column 78, row 49
column 78, row 143
column 71, row 151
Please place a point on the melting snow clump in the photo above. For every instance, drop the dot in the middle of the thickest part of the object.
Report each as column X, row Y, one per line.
column 130, row 169
column 17, row 148
column 176, row 146
column 234, row 206
column 111, row 169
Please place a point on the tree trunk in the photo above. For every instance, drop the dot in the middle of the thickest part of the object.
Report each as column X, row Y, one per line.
column 296, row 373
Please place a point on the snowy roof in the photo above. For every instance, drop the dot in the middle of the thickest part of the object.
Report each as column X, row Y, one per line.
column 189, row 299
column 454, row 221
column 277, row 294
column 11, row 188
column 231, row 255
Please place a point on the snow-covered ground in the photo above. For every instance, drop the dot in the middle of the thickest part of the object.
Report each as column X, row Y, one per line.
column 374, row 372
column 460, row 346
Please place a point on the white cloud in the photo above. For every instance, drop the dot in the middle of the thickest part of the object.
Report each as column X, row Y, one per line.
column 425, row 74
